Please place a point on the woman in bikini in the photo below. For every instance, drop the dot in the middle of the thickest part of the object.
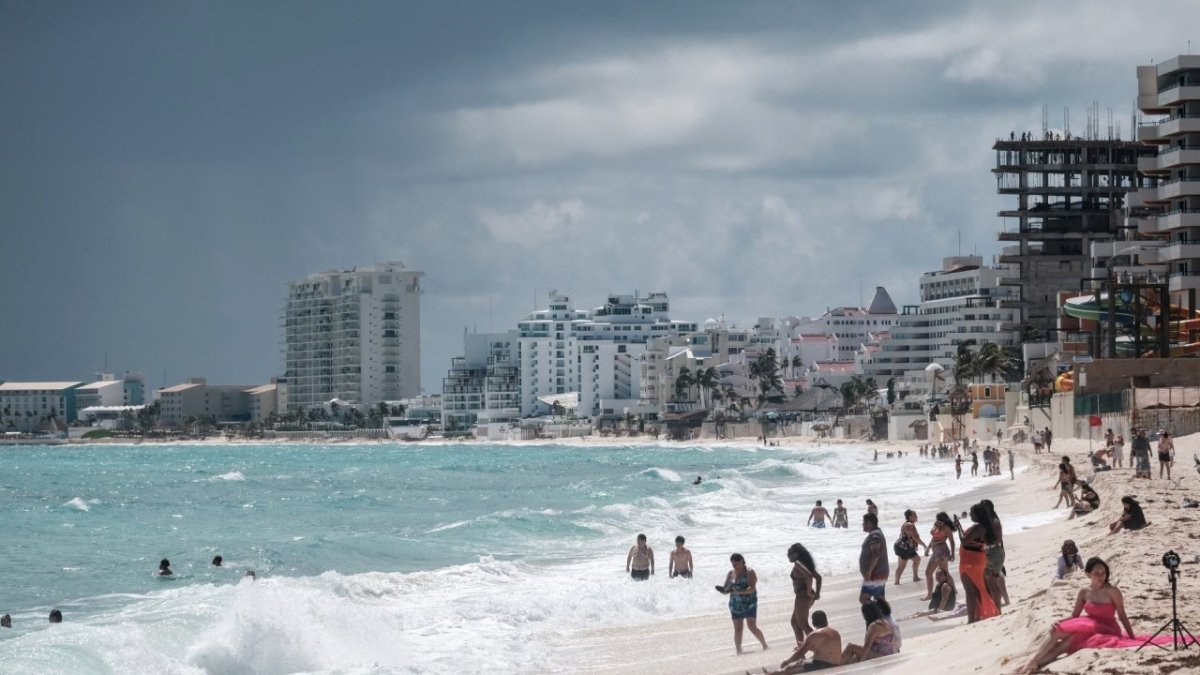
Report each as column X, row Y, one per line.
column 941, row 546
column 1065, row 487
column 973, row 564
column 994, row 572
column 804, row 576
column 879, row 640
column 906, row 549
column 840, row 519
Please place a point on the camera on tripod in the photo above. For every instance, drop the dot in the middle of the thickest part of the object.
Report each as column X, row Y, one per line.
column 1170, row 560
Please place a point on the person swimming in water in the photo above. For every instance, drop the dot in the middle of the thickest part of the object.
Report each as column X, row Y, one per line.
column 217, row 561
column 55, row 616
column 5, row 621
column 164, row 568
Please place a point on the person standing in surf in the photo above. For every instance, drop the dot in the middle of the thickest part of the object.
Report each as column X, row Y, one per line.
column 639, row 564
column 840, row 516
column 905, row 547
column 680, row 564
column 818, row 516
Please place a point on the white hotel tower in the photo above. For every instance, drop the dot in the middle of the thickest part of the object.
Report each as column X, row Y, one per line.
column 353, row 335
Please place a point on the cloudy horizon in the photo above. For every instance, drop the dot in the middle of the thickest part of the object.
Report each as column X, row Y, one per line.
column 167, row 169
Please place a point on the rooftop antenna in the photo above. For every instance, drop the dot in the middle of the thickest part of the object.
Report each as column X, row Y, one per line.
column 490, row 329
column 1045, row 120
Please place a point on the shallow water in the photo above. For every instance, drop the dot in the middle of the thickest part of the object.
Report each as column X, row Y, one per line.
column 397, row 558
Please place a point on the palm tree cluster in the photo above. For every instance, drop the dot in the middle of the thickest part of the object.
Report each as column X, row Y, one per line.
column 858, row 391
column 990, row 360
column 764, row 370
column 704, row 379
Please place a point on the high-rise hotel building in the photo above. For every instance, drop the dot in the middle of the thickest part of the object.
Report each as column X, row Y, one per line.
column 1169, row 210
column 353, row 335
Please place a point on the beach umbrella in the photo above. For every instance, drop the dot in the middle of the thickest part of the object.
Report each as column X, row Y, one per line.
column 821, row 426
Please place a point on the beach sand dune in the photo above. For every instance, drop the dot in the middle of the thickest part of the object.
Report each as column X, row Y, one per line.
column 1034, row 532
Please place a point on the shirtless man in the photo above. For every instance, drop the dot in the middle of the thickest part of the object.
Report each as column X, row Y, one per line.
column 818, row 516
column 680, row 564
column 640, row 561
column 825, row 644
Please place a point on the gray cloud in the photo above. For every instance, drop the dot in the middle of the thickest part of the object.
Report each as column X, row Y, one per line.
column 164, row 170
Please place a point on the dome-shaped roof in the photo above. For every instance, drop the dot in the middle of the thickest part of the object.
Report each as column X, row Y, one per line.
column 710, row 324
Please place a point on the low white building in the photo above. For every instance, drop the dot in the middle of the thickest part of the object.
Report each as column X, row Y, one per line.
column 103, row 393
column 26, row 405
column 197, row 398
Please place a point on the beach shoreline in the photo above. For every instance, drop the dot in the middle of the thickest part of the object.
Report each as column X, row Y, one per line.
column 1033, row 535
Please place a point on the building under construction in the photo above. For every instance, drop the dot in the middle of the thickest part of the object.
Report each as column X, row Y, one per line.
column 1070, row 193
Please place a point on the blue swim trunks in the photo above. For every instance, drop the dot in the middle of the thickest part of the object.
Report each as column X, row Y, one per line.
column 819, row 524
column 874, row 589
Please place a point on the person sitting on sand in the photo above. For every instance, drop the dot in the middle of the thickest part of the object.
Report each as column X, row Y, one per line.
column 1132, row 517
column 680, row 564
column 825, row 643
column 1103, row 606
column 1069, row 561
column 164, row 568
column 879, row 640
column 817, row 517
column 945, row 593
column 1088, row 500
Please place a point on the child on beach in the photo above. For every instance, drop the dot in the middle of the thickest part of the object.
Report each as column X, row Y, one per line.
column 1069, row 561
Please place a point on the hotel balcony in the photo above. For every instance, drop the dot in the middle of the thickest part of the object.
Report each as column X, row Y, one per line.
column 1183, row 281
column 1168, row 159
column 1180, row 251
column 1169, row 97
column 1182, row 187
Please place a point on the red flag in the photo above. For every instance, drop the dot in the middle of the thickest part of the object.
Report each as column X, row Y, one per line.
column 1094, row 421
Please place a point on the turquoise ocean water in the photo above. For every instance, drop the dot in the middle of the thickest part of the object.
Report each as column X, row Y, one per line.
column 395, row 558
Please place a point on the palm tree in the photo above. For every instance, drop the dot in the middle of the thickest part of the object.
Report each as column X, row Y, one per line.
column 683, row 383
column 796, row 363
column 765, row 371
column 891, row 390
column 964, row 362
column 993, row 361
column 707, row 380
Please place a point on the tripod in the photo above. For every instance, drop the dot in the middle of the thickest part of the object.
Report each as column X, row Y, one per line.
column 1178, row 630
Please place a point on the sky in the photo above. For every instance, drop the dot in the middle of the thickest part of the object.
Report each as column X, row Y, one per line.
column 166, row 168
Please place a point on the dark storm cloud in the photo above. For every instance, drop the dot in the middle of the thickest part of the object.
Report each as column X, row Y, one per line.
column 165, row 169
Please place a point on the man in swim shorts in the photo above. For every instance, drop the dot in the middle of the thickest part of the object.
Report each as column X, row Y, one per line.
column 873, row 561
column 680, row 564
column 640, row 561
column 825, row 643
column 818, row 516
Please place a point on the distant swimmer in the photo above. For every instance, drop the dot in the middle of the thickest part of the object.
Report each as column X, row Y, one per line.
column 817, row 517
column 699, row 480
column 5, row 621
column 252, row 575
column 217, row 561
column 681, row 561
column 164, row 568
column 55, row 616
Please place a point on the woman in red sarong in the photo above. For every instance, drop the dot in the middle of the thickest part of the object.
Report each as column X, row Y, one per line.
column 1102, row 605
column 972, row 555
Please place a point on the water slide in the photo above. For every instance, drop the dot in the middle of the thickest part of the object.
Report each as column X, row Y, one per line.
column 1085, row 307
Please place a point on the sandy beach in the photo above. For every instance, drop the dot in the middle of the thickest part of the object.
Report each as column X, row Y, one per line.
column 1034, row 532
